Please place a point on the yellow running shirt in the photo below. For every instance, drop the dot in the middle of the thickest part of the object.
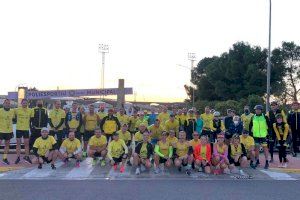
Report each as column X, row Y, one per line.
column 6, row 123
column 56, row 115
column 44, row 145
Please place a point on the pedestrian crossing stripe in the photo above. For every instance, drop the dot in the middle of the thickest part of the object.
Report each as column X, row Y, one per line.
column 83, row 171
column 278, row 175
column 42, row 173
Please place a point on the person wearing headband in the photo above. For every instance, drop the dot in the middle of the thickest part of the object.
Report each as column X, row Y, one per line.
column 220, row 155
column 249, row 144
column 237, row 155
column 202, row 155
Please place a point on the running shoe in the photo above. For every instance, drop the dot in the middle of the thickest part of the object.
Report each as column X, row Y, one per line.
column 179, row 169
column 84, row 154
column 94, row 161
column 252, row 165
column 40, row 166
column 188, row 172
column 143, row 168
column 137, row 171
column 77, row 164
column 53, row 167
column 284, row 165
column 17, row 160
column 27, row 159
column 102, row 163
column 115, row 167
column 5, row 161
column 157, row 170
column 122, row 169
column 267, row 165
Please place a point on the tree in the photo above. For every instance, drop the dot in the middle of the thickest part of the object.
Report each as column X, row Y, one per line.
column 235, row 74
column 287, row 57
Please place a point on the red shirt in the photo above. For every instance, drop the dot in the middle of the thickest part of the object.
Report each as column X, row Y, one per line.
column 198, row 151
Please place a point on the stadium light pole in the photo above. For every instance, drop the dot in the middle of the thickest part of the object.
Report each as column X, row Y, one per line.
column 103, row 49
column 192, row 58
column 269, row 61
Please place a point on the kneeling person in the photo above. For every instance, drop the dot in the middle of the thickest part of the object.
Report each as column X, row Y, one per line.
column 183, row 153
column 97, row 147
column 202, row 155
column 45, row 149
column 71, row 148
column 117, row 152
column 237, row 155
column 163, row 153
column 143, row 152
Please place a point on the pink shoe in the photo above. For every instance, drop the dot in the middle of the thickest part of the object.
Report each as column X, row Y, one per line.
column 122, row 169
column 77, row 164
column 115, row 167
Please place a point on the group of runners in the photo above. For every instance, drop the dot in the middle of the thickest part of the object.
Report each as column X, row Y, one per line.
column 182, row 138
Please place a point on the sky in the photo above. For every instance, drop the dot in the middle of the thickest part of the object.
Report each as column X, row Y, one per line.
column 50, row 44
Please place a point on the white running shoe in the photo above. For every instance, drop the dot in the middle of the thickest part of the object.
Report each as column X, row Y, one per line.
column 137, row 171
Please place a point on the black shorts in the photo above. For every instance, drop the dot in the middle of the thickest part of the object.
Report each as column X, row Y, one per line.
column 260, row 141
column 231, row 161
column 20, row 134
column 97, row 154
column 162, row 160
column 87, row 135
column 118, row 160
column 45, row 159
column 6, row 136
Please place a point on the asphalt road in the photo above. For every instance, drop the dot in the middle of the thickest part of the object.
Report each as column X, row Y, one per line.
column 148, row 189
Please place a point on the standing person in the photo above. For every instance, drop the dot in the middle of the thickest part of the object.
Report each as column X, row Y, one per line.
column 281, row 130
column 141, row 120
column 102, row 113
column 246, row 118
column 228, row 120
column 163, row 116
column 181, row 117
column 74, row 121
column 90, row 121
column 199, row 122
column 22, row 115
column 125, row 135
column 122, row 117
column 249, row 144
column 132, row 121
column 155, row 132
column 237, row 155
column 294, row 122
column 97, row 147
column 110, row 124
column 152, row 117
column 190, row 124
column 218, row 125
column 143, row 152
column 45, row 149
column 39, row 119
column 172, row 124
column 117, row 152
column 56, row 120
column 220, row 155
column 172, row 139
column 6, row 128
column 259, row 127
column 183, row 153
column 207, row 118
column 71, row 148
column 82, row 128
column 202, row 155
column 163, row 153
column 272, row 119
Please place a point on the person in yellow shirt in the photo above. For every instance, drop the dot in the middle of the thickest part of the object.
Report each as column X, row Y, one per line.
column 163, row 116
column 183, row 153
column 248, row 142
column 181, row 117
column 141, row 120
column 110, row 124
column 45, row 149
column 195, row 141
column 122, row 117
column 281, row 129
column 71, row 148
column 97, row 147
column 138, row 136
column 125, row 135
column 22, row 115
column 56, row 120
column 143, row 152
column 155, row 131
column 172, row 124
column 117, row 152
column 172, row 139
column 90, row 121
column 246, row 117
column 102, row 113
column 207, row 118
column 163, row 153
column 74, row 121
column 132, row 121
column 6, row 128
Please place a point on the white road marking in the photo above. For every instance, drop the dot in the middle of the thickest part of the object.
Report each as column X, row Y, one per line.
column 83, row 171
column 278, row 175
column 42, row 173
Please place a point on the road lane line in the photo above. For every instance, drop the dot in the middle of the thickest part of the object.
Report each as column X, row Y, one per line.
column 278, row 175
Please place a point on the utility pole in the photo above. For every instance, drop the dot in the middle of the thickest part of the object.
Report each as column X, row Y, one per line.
column 103, row 49
column 269, row 61
column 192, row 58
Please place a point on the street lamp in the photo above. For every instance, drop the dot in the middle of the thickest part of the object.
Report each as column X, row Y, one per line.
column 192, row 58
column 103, row 48
column 269, row 61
